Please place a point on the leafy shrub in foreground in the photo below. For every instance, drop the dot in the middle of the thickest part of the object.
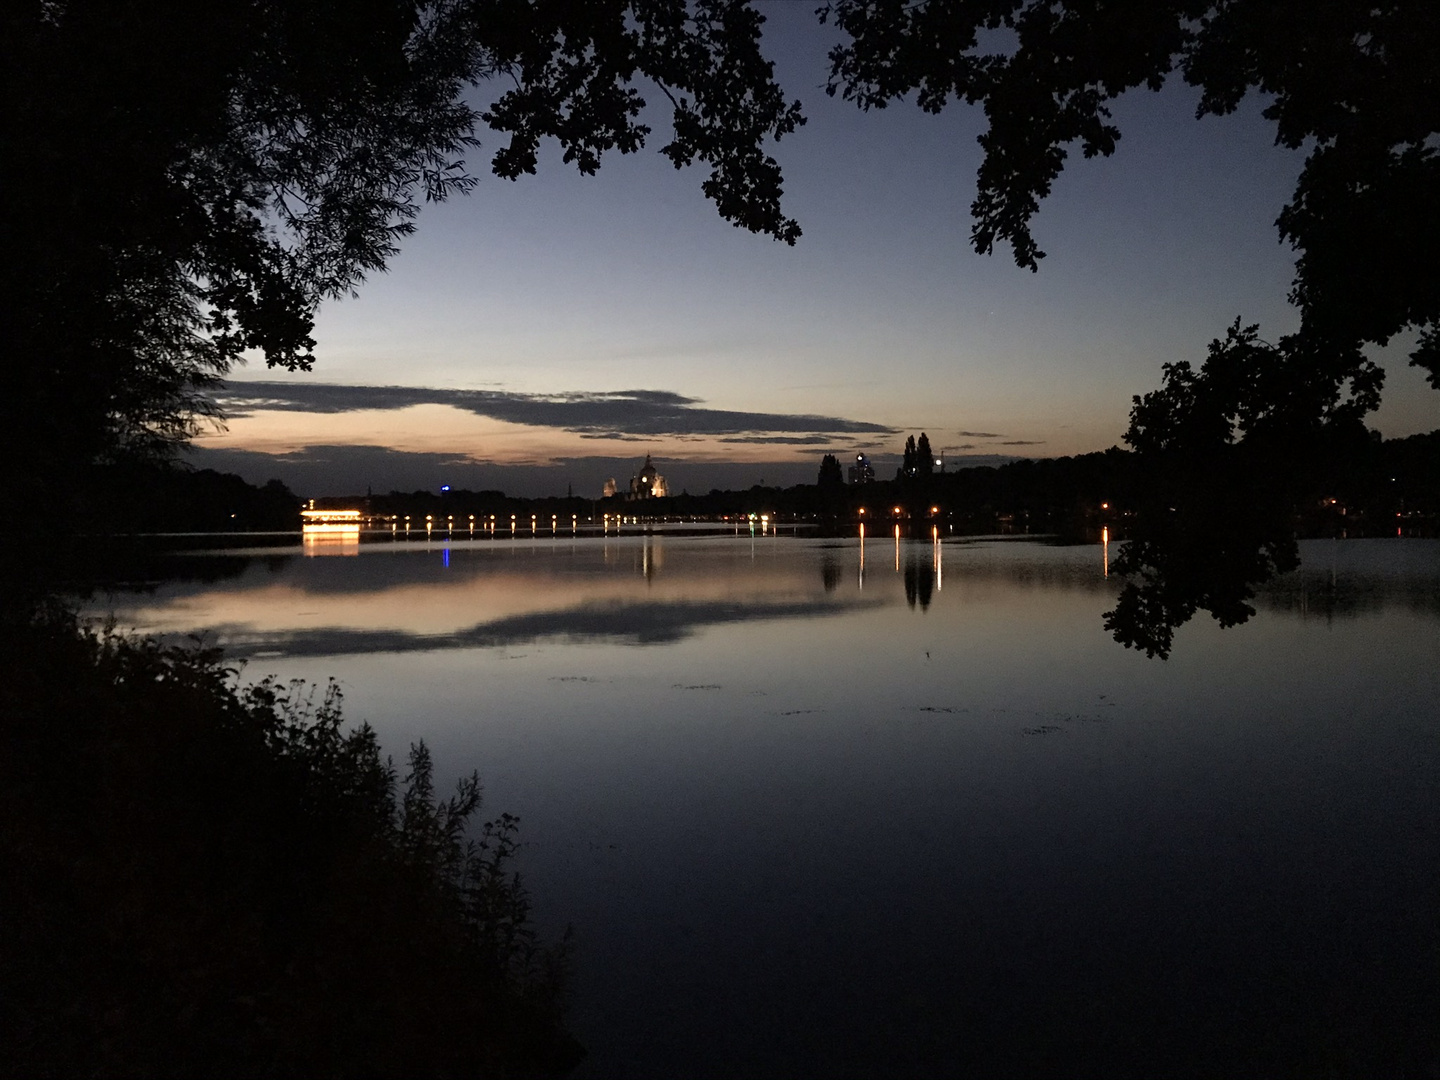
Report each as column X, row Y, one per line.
column 201, row 878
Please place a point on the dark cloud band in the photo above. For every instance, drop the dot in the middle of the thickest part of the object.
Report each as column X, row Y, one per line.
column 610, row 414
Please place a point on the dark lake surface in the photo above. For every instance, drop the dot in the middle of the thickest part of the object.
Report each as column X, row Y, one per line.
column 815, row 810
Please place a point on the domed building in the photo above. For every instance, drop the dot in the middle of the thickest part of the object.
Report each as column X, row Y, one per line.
column 649, row 484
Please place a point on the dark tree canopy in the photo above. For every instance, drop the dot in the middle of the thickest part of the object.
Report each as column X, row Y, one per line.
column 908, row 458
column 184, row 183
column 924, row 456
column 1221, row 454
column 830, row 474
column 1357, row 83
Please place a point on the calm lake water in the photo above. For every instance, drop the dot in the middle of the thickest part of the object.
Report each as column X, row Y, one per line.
column 909, row 811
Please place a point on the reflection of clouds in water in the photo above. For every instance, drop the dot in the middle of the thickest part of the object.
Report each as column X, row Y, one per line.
column 622, row 623
column 543, row 563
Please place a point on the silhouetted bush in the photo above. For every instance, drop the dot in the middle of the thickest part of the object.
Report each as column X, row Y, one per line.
column 202, row 879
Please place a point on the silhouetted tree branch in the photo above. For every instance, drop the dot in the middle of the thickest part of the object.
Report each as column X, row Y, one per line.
column 185, row 183
column 924, row 456
column 1357, row 83
column 1223, row 455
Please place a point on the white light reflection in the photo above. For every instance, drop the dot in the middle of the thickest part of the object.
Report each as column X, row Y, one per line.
column 862, row 555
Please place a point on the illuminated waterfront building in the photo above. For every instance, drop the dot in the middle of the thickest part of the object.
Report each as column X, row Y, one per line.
column 649, row 484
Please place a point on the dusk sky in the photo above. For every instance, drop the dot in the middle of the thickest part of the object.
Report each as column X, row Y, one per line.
column 553, row 331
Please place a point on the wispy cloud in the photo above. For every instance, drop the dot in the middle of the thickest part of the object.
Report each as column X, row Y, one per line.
column 616, row 414
column 1023, row 442
column 790, row 440
column 979, row 435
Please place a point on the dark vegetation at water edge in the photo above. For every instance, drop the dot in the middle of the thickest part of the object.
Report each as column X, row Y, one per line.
column 210, row 880
column 136, row 496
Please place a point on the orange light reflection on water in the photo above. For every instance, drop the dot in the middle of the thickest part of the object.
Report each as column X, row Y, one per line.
column 330, row 539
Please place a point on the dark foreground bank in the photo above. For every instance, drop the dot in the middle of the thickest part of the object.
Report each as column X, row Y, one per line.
column 205, row 880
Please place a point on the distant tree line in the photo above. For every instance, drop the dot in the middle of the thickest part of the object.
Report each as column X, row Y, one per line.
column 1369, row 481
column 142, row 496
